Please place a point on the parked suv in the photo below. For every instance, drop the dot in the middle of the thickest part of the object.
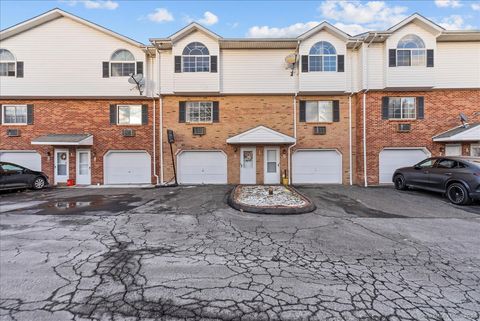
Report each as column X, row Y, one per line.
column 457, row 177
column 13, row 176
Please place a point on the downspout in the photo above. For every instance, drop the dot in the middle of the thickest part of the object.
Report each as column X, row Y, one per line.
column 350, row 139
column 289, row 154
column 154, row 147
column 364, row 113
column 160, row 106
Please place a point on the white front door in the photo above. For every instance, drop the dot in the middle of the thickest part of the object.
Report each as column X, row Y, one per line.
column 453, row 150
column 83, row 167
column 271, row 165
column 61, row 165
column 248, row 173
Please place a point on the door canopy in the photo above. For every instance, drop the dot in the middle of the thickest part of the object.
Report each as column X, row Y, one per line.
column 261, row 135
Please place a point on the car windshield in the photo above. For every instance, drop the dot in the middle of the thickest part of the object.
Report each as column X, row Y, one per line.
column 474, row 161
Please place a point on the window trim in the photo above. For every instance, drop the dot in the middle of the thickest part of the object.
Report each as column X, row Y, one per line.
column 472, row 146
column 196, row 66
column 9, row 62
column 322, row 55
column 410, row 50
column 129, row 124
column 401, row 109
column 187, row 113
column 318, row 122
column 14, row 124
column 110, row 62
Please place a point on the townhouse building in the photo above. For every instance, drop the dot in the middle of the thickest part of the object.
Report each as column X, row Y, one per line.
column 322, row 108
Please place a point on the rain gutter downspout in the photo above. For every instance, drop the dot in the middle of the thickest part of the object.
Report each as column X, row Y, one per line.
column 154, row 147
column 289, row 154
column 350, row 139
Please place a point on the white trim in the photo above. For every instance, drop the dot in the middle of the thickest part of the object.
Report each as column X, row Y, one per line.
column 472, row 146
column 189, row 29
column 254, row 169
column 274, row 138
column 413, row 17
column 265, row 167
column 320, row 27
column 87, row 141
column 457, row 137
column 55, row 163
column 13, row 124
column 187, row 113
column 77, row 165
column 129, row 124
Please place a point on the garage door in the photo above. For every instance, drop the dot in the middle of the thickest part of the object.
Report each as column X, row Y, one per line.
column 391, row 159
column 202, row 167
column 122, row 167
column 317, row 167
column 30, row 160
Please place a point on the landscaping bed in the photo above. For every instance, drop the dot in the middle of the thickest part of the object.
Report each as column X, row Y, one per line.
column 269, row 199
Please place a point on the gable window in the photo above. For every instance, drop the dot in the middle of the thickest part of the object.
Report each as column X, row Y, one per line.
column 319, row 111
column 199, row 112
column 129, row 114
column 402, row 108
column 122, row 63
column 7, row 63
column 195, row 58
column 411, row 51
column 14, row 114
column 322, row 57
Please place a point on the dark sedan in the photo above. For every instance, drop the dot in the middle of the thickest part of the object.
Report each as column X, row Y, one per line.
column 13, row 176
column 457, row 177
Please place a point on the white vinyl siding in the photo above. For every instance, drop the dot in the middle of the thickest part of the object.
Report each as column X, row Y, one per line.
column 457, row 65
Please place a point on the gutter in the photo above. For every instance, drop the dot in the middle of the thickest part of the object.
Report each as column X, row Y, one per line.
column 350, row 139
column 289, row 154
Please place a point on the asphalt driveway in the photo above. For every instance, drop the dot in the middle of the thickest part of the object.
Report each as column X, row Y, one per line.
column 182, row 253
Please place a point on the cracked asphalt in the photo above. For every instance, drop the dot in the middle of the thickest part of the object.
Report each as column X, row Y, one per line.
column 184, row 254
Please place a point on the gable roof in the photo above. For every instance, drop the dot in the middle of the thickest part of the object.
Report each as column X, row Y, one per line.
column 413, row 17
column 469, row 132
column 261, row 135
column 324, row 25
column 56, row 14
column 192, row 27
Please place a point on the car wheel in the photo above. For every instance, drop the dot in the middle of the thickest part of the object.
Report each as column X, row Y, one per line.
column 399, row 182
column 38, row 183
column 458, row 194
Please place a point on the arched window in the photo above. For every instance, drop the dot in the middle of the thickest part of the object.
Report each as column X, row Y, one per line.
column 7, row 63
column 322, row 57
column 411, row 51
column 195, row 58
column 122, row 63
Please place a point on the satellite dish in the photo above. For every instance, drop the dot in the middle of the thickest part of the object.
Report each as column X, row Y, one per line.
column 291, row 59
column 138, row 81
column 464, row 119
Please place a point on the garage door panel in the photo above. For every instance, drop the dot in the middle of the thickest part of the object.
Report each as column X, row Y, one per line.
column 127, row 168
column 392, row 159
column 202, row 167
column 317, row 167
column 30, row 160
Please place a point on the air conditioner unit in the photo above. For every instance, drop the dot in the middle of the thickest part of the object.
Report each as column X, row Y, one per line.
column 199, row 131
column 404, row 128
column 13, row 132
column 319, row 130
column 128, row 132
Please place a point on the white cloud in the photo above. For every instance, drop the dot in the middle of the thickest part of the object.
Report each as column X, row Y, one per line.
column 352, row 29
column 94, row 4
column 448, row 3
column 475, row 6
column 454, row 22
column 160, row 15
column 208, row 19
column 274, row 32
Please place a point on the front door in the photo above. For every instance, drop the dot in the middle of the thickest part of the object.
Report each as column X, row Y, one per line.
column 61, row 165
column 248, row 171
column 83, row 167
column 271, row 165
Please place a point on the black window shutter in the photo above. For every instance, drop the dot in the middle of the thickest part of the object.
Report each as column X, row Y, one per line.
column 340, row 63
column 385, row 108
column 113, row 114
column 215, row 112
column 213, row 63
column 302, row 116
column 392, row 57
column 429, row 57
column 144, row 114
column 29, row 114
column 304, row 63
column 19, row 69
column 420, row 108
column 140, row 67
column 1, row 116
column 336, row 111
column 106, row 69
column 181, row 111
column 178, row 63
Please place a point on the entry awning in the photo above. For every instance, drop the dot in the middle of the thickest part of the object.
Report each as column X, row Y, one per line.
column 261, row 135
column 464, row 133
column 64, row 140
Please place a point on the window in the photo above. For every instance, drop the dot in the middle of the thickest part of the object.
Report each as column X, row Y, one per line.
column 446, row 163
column 9, row 168
column 319, row 111
column 196, row 58
column 428, row 163
column 199, row 112
column 14, row 114
column 475, row 150
column 402, row 108
column 7, row 63
column 129, row 114
column 411, row 51
column 122, row 63
column 322, row 57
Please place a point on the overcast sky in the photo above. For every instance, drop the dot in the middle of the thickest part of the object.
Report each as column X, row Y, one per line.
column 141, row 20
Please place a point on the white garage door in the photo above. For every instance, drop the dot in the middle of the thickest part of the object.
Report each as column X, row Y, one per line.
column 202, row 167
column 125, row 167
column 30, row 160
column 317, row 167
column 391, row 159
